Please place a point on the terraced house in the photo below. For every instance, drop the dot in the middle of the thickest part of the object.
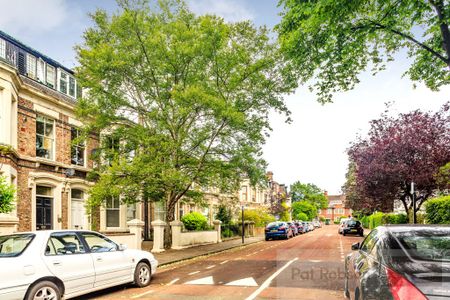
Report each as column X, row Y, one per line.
column 37, row 120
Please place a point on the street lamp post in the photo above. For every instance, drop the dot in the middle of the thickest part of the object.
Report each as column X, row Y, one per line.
column 243, row 227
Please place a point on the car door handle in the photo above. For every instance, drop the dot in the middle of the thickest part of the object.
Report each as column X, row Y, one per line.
column 56, row 263
column 99, row 259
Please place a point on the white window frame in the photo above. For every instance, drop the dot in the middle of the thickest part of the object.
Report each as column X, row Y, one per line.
column 31, row 66
column 40, row 70
column 74, row 87
column 52, row 138
column 51, row 82
column 3, row 48
column 112, row 208
column 66, row 83
column 79, row 146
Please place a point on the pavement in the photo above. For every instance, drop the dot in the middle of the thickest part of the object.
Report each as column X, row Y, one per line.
column 309, row 266
column 171, row 256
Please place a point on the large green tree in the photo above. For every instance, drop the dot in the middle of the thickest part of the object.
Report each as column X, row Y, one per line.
column 334, row 41
column 181, row 101
column 310, row 193
column 303, row 207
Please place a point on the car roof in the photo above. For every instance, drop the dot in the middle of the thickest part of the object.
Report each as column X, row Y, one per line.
column 48, row 232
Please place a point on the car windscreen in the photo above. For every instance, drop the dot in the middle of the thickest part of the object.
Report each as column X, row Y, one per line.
column 13, row 245
column 274, row 224
column 426, row 245
column 353, row 223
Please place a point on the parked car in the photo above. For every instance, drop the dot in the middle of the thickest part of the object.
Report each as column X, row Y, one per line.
column 352, row 226
column 293, row 228
column 308, row 226
column 341, row 225
column 400, row 262
column 301, row 229
column 317, row 224
column 68, row 263
column 278, row 230
column 311, row 226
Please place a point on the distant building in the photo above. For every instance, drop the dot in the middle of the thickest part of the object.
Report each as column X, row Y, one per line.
column 336, row 208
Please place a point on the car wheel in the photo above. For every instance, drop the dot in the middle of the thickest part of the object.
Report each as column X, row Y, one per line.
column 343, row 233
column 44, row 290
column 267, row 238
column 142, row 274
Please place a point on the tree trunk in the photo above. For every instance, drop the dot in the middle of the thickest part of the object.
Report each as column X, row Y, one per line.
column 170, row 216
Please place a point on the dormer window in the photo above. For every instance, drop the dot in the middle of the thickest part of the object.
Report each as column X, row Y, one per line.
column 63, row 78
column 50, row 76
column 72, row 86
column 31, row 66
column 40, row 70
column 2, row 49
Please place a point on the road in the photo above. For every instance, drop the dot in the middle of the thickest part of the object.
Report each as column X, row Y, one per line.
column 309, row 266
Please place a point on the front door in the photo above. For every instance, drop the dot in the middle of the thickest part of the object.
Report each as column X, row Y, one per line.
column 78, row 214
column 43, row 213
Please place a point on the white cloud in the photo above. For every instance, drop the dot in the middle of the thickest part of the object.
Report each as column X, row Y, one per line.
column 230, row 10
column 31, row 16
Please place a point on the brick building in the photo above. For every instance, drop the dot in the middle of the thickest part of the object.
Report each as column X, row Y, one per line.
column 37, row 121
column 336, row 208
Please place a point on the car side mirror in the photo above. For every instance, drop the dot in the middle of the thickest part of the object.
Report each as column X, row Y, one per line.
column 355, row 246
column 122, row 247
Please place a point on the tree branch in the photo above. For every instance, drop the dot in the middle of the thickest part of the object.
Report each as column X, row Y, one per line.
column 444, row 28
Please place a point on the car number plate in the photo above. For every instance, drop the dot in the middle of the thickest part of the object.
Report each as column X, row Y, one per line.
column 274, row 230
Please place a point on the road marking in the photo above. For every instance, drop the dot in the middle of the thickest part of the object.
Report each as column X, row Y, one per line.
column 202, row 281
column 224, row 262
column 194, row 273
column 315, row 260
column 173, row 281
column 210, row 267
column 243, row 282
column 269, row 280
column 143, row 294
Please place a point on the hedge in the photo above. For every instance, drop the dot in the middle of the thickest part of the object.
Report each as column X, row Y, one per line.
column 438, row 210
column 379, row 218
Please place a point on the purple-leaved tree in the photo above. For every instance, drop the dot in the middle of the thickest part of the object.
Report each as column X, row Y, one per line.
column 397, row 151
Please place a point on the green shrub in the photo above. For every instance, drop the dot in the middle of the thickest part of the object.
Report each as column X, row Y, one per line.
column 7, row 195
column 365, row 221
column 260, row 216
column 321, row 218
column 438, row 210
column 375, row 220
column 224, row 214
column 301, row 216
column 195, row 221
column 392, row 218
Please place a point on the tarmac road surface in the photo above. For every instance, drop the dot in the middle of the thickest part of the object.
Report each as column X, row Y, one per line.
column 309, row 266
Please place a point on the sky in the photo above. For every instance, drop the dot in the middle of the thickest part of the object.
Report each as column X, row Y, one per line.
column 312, row 148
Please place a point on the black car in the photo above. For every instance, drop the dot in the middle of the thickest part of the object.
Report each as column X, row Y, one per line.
column 352, row 226
column 400, row 262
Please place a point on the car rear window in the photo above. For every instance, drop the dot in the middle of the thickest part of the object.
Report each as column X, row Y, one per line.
column 431, row 246
column 14, row 245
column 353, row 223
column 274, row 224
